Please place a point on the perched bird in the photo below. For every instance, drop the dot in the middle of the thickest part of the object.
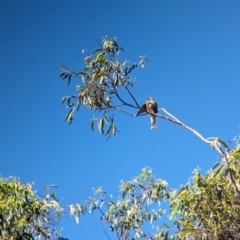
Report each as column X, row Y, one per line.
column 150, row 106
column 142, row 109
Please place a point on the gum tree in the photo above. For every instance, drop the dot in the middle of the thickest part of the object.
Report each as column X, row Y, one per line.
column 24, row 215
column 207, row 207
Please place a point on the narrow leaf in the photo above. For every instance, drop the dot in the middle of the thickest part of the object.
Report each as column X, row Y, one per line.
column 64, row 99
column 91, row 123
column 100, row 125
column 69, row 79
column 215, row 166
column 69, row 112
column 62, row 74
column 98, row 50
column 79, row 102
column 65, row 76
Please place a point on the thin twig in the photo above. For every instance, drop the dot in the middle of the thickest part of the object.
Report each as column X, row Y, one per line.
column 118, row 96
column 105, row 232
column 132, row 96
column 120, row 110
column 98, row 41
column 127, row 104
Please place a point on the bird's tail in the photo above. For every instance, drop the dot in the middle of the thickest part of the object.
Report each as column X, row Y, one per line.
column 153, row 121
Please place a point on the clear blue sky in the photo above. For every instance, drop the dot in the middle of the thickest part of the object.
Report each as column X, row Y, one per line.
column 193, row 71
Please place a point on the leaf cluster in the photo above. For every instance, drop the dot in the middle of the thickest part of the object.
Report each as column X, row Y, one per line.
column 24, row 215
column 101, row 79
column 128, row 215
column 208, row 207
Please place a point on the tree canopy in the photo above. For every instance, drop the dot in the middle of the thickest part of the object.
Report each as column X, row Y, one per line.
column 24, row 215
column 102, row 81
column 207, row 207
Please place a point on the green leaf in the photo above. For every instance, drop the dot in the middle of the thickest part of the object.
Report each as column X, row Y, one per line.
column 69, row 79
column 69, row 102
column 80, row 208
column 100, row 125
column 66, row 75
column 70, row 117
column 111, row 207
column 91, row 123
column 182, row 192
column 164, row 225
column 80, row 73
column 97, row 50
column 69, row 112
column 109, row 131
column 62, row 74
column 100, row 57
column 218, row 171
column 98, row 190
column 79, row 102
column 64, row 99
column 225, row 170
column 188, row 230
column 215, row 166
column 223, row 143
column 166, row 236
column 72, row 209
column 76, row 218
column 105, row 119
column 143, row 175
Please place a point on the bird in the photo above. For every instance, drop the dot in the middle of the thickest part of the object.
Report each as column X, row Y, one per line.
column 150, row 107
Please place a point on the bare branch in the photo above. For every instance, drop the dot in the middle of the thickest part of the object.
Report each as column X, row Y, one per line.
column 125, row 103
column 185, row 126
column 118, row 96
column 132, row 96
column 120, row 110
column 105, row 232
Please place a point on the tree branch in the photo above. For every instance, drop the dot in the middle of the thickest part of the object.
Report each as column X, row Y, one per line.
column 125, row 103
column 132, row 96
column 120, row 110
column 118, row 96
column 219, row 150
column 185, row 126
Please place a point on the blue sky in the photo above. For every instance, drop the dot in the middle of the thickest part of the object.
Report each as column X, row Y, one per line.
column 193, row 71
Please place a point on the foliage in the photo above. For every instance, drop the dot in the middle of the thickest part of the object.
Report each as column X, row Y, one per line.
column 207, row 207
column 24, row 215
column 101, row 80
column 128, row 214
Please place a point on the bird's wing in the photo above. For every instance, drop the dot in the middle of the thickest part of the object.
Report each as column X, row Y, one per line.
column 155, row 108
column 142, row 109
